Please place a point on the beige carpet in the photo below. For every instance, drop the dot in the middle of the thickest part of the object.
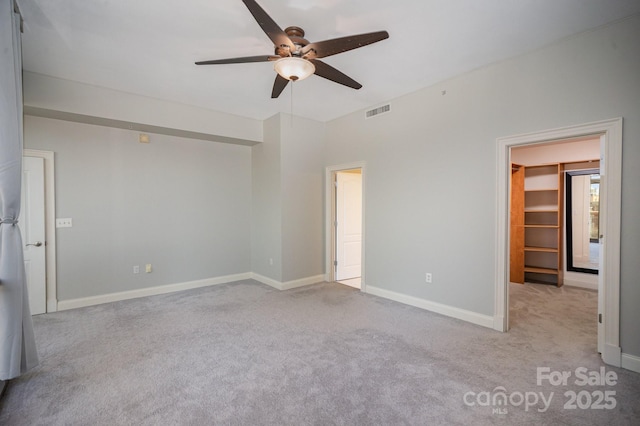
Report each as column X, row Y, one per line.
column 246, row 354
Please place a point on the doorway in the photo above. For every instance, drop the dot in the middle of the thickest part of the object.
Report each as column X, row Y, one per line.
column 610, row 133
column 348, row 227
column 345, row 224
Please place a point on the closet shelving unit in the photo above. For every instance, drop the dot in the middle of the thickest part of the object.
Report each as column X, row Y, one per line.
column 543, row 199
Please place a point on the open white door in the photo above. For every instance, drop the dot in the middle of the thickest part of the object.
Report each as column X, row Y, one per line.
column 349, row 224
column 601, row 259
column 32, row 227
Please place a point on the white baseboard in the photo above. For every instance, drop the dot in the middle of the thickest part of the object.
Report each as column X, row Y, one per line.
column 631, row 362
column 266, row 280
column 289, row 284
column 303, row 282
column 64, row 305
column 500, row 324
column 450, row 311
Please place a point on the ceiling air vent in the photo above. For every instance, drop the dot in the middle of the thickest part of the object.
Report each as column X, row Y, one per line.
column 377, row 111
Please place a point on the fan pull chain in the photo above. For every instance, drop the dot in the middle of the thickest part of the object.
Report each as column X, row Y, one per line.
column 291, row 113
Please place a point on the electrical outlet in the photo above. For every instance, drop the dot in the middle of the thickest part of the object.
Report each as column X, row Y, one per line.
column 147, row 268
column 136, row 269
column 429, row 278
column 270, row 262
column 64, row 222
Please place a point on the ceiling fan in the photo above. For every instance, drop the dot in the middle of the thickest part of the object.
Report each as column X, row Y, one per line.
column 295, row 58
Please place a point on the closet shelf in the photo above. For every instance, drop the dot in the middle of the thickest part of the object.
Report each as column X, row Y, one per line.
column 541, row 270
column 542, row 226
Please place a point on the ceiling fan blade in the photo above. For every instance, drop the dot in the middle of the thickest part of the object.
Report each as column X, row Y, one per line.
column 330, row 73
column 278, row 86
column 268, row 25
column 326, row 48
column 262, row 58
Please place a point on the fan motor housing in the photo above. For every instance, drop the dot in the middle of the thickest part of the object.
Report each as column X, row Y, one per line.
column 296, row 34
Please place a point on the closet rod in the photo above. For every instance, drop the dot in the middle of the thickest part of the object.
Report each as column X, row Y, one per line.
column 592, row 169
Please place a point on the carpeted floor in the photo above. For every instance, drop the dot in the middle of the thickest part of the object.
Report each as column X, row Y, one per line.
column 327, row 354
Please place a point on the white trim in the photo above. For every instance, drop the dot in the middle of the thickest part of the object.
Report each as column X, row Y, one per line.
column 50, row 224
column 500, row 323
column 631, row 362
column 302, row 282
column 266, row 280
column 439, row 308
column 329, row 218
column 610, row 166
column 289, row 284
column 612, row 355
column 64, row 305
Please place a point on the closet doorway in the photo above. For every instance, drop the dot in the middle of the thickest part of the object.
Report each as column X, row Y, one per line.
column 609, row 133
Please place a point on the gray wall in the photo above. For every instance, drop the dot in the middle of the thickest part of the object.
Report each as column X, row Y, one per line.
column 266, row 233
column 302, row 173
column 55, row 94
column 288, row 173
column 431, row 165
column 180, row 204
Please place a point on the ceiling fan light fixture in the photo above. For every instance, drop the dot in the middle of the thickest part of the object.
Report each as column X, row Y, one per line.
column 293, row 68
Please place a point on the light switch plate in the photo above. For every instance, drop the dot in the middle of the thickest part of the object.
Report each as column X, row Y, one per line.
column 64, row 222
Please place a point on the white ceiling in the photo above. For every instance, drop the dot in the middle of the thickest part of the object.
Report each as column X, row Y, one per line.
column 148, row 47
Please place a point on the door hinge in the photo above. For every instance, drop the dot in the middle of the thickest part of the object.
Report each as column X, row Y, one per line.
column 600, row 318
column 335, row 263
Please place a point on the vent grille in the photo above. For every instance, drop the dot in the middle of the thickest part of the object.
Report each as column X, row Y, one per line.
column 377, row 111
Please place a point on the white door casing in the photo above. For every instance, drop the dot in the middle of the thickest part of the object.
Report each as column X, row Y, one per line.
column 348, row 225
column 32, row 227
column 610, row 213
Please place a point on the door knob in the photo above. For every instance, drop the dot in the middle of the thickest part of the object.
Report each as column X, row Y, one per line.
column 37, row 244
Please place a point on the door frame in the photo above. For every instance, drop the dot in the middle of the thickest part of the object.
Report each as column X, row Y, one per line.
column 49, row 225
column 610, row 132
column 330, row 218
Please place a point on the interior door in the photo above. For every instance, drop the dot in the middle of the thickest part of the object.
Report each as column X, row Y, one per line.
column 32, row 227
column 349, row 225
column 602, row 246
